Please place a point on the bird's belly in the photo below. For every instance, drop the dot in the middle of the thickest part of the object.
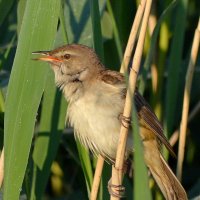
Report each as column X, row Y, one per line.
column 96, row 126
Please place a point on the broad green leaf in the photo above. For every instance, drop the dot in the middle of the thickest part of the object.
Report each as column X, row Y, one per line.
column 79, row 25
column 52, row 124
column 48, row 139
column 20, row 13
column 25, row 89
column 77, row 15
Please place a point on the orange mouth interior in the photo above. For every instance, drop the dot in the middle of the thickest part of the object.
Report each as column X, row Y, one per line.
column 49, row 59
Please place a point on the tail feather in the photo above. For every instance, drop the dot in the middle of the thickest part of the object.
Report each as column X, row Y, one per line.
column 167, row 182
column 163, row 175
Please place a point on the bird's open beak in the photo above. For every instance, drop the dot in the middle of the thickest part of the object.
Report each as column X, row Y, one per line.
column 45, row 56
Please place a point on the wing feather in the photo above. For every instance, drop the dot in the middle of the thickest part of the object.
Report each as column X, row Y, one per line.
column 145, row 112
column 150, row 120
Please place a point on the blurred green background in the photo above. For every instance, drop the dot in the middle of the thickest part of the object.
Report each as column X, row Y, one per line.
column 42, row 159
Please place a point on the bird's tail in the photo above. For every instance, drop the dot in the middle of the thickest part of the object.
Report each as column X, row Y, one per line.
column 163, row 175
column 167, row 181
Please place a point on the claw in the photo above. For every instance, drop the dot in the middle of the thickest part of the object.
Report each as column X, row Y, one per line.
column 126, row 121
column 116, row 190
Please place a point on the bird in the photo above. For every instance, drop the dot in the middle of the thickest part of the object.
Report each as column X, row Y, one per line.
column 96, row 98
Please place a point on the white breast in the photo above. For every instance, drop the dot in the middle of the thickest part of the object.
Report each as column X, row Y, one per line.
column 94, row 117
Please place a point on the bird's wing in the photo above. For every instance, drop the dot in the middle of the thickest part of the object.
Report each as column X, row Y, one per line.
column 150, row 120
column 144, row 111
column 112, row 77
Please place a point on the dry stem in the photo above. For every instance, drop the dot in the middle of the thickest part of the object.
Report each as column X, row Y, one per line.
column 194, row 112
column 117, row 171
column 124, row 67
column 175, row 136
column 97, row 178
column 1, row 167
column 132, row 37
column 186, row 101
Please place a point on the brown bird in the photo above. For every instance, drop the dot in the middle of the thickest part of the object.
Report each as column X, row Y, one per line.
column 96, row 99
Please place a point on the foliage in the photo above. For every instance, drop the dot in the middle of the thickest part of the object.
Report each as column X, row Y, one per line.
column 42, row 160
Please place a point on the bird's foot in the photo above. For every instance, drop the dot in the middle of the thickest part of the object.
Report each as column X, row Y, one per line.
column 125, row 121
column 116, row 190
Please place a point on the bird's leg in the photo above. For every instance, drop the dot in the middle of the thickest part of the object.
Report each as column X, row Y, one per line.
column 125, row 121
column 119, row 190
column 128, row 167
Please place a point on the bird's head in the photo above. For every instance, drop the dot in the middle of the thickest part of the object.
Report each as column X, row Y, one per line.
column 71, row 63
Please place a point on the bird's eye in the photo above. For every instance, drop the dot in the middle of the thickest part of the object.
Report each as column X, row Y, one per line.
column 67, row 56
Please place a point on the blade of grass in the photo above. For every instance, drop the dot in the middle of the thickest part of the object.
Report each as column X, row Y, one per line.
column 5, row 6
column 2, row 109
column 140, row 170
column 51, row 125
column 2, row 102
column 86, row 166
column 7, row 52
column 117, row 174
column 186, row 100
column 132, row 37
column 25, row 89
column 48, row 139
column 1, row 167
column 79, row 31
column 163, row 46
column 175, row 59
column 96, row 28
column 78, row 22
column 115, row 30
column 20, row 13
column 98, row 46
column 63, row 24
column 152, row 48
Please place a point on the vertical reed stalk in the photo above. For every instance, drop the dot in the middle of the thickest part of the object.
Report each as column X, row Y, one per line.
column 117, row 170
column 123, row 69
column 132, row 37
column 186, row 101
column 97, row 178
column 1, row 167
